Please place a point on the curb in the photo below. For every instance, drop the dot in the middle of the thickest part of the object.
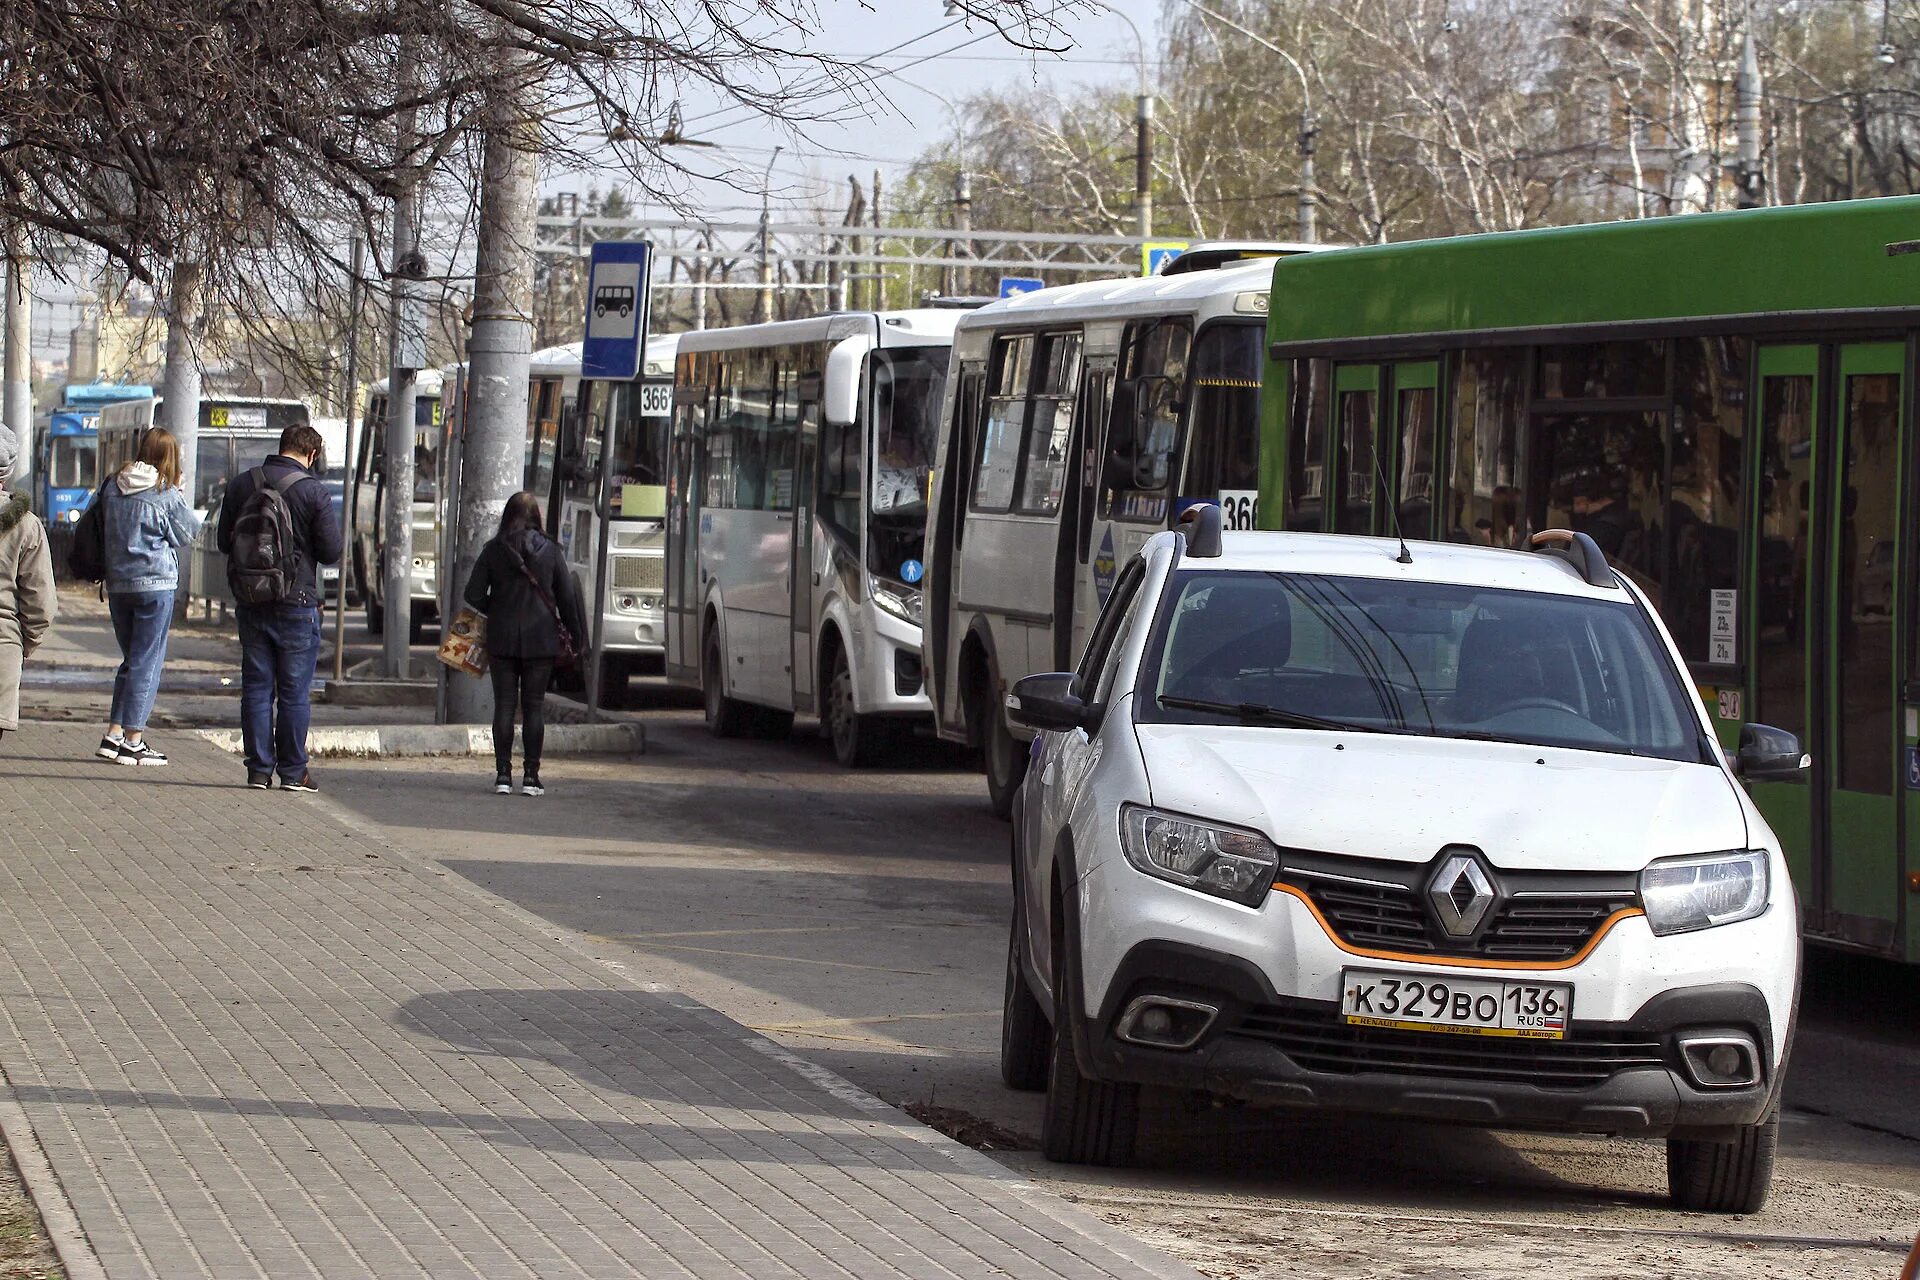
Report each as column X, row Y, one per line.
column 374, row 742
column 49, row 1198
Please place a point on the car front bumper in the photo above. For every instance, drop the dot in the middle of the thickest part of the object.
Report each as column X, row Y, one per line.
column 1606, row 1077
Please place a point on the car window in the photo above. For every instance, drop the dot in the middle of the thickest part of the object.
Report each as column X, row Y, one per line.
column 1423, row 658
column 1111, row 623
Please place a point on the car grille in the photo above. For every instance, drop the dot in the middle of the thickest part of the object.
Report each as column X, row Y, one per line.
column 1541, row 927
column 1315, row 1039
column 639, row 573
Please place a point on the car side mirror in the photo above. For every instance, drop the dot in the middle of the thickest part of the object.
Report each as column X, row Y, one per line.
column 1768, row 754
column 1046, row 701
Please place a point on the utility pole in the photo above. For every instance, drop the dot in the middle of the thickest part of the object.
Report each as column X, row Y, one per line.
column 1309, row 219
column 1143, row 165
column 492, row 452
column 879, row 274
column 960, row 277
column 406, row 353
column 19, row 349
column 763, row 300
column 359, row 265
column 1749, row 174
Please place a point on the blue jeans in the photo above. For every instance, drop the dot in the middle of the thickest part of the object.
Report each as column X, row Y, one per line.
column 278, row 648
column 140, row 623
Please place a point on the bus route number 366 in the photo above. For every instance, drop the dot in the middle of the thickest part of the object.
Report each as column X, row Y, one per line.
column 1239, row 508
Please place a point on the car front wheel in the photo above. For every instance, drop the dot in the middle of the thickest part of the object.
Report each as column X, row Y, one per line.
column 1724, row 1177
column 1024, row 1035
column 1006, row 755
column 1087, row 1121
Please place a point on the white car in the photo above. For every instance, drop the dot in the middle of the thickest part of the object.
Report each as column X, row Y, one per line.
column 1434, row 830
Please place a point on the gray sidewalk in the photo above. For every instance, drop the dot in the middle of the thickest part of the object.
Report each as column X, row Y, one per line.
column 252, row 1040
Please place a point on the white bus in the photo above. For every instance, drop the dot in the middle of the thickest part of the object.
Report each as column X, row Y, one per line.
column 366, row 532
column 796, row 515
column 1079, row 422
column 236, row 434
column 626, row 422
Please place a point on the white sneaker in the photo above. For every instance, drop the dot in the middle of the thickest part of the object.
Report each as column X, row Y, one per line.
column 138, row 753
column 109, row 748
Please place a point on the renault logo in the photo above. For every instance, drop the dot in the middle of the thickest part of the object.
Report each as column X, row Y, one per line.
column 1461, row 894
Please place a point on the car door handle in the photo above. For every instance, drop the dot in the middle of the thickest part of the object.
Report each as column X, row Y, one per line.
column 816, row 578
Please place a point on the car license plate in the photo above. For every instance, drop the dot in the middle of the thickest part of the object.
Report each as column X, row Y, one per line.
column 1463, row 1006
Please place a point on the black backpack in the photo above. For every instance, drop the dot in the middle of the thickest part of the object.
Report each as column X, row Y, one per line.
column 87, row 554
column 265, row 554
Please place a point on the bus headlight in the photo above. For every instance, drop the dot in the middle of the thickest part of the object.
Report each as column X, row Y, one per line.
column 1698, row 892
column 902, row 602
column 73, row 516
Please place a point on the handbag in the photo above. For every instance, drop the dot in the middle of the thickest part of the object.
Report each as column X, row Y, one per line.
column 569, row 655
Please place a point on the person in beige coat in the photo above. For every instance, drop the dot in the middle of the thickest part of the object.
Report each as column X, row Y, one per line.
column 26, row 585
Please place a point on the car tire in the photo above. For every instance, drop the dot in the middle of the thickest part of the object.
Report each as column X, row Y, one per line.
column 726, row 717
column 1004, row 755
column 858, row 741
column 1087, row 1121
column 1724, row 1177
column 1025, row 1037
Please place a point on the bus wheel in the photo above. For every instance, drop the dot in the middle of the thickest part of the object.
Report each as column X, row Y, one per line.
column 726, row 717
column 858, row 740
column 1006, row 755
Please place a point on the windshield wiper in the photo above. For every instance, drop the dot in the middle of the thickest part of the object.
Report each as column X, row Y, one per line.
column 1265, row 714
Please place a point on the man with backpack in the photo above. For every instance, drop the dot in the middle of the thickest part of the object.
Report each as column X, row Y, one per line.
column 276, row 528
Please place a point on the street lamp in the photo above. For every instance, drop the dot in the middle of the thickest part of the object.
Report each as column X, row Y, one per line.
column 1308, row 128
column 1143, row 138
column 765, row 307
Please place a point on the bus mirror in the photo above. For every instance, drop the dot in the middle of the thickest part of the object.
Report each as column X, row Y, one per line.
column 1152, row 402
column 840, row 393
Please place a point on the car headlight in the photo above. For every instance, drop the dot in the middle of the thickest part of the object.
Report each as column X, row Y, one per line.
column 1223, row 861
column 1703, row 890
column 902, row 602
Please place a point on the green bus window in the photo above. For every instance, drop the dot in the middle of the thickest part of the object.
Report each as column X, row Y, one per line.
column 1863, row 625
column 1602, row 370
column 1599, row 474
column 1307, row 444
column 1483, row 475
column 1357, row 463
column 1786, row 492
column 1703, row 509
column 1416, row 462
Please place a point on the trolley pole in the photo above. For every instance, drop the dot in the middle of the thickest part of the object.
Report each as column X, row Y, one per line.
column 406, row 353
column 359, row 264
column 502, row 340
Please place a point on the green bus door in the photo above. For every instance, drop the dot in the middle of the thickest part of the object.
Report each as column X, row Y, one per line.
column 1823, row 611
column 1383, row 431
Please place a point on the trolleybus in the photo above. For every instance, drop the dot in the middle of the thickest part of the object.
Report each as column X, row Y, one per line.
column 1725, row 403
column 796, row 515
column 66, row 462
column 1080, row 421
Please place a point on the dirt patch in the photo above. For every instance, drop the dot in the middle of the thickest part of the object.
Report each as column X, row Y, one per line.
column 970, row 1130
column 25, row 1253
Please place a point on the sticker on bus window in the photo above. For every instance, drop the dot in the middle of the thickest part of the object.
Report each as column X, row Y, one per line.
column 1727, row 704
column 1913, row 768
column 912, row 571
column 1103, row 567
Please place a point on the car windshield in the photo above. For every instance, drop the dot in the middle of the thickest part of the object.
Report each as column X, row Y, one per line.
column 1316, row 651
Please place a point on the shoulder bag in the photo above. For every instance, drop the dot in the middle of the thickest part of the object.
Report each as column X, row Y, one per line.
column 569, row 655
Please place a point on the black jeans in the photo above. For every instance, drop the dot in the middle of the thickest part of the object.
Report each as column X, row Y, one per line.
column 521, row 680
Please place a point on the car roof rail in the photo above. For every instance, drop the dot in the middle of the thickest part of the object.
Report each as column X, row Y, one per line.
column 1579, row 551
column 1204, row 521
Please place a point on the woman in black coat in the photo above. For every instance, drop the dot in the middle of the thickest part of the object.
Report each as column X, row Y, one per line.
column 522, row 585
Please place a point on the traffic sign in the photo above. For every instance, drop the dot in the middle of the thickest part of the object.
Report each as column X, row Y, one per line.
column 1156, row 254
column 616, row 309
column 1013, row 286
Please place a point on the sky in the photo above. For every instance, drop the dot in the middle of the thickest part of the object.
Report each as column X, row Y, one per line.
column 922, row 61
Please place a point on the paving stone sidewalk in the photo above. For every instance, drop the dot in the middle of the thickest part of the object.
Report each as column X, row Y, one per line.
column 253, row 1040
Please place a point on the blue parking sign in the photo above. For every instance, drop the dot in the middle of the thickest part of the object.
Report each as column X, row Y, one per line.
column 1014, row 286
column 617, row 279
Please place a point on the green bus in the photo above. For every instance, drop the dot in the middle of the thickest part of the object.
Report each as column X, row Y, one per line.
column 1725, row 402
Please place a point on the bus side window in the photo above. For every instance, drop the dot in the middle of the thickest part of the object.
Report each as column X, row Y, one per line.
column 960, row 449
column 1143, row 430
column 1307, row 444
column 1098, row 402
column 840, row 476
column 997, row 457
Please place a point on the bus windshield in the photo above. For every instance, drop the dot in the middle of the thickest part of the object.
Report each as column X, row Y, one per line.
column 907, row 386
column 639, row 454
column 70, row 465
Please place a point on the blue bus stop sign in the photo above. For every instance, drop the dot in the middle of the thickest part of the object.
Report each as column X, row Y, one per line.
column 1014, row 286
column 616, row 309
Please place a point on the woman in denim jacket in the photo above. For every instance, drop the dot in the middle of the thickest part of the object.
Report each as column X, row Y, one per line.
column 147, row 522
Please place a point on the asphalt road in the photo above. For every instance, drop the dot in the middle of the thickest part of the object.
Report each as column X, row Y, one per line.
column 861, row 919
